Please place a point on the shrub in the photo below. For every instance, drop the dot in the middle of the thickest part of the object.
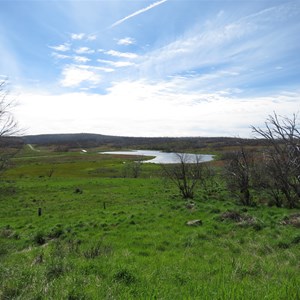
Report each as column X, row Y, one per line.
column 39, row 238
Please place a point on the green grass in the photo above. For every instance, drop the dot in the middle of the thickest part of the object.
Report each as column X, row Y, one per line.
column 102, row 236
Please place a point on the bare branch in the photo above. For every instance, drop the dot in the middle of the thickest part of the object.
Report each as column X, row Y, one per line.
column 282, row 158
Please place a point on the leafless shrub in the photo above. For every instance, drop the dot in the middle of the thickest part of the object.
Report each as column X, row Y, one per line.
column 9, row 145
column 239, row 173
column 281, row 159
column 186, row 174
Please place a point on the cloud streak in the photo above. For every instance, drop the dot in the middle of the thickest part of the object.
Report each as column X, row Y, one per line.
column 63, row 48
column 126, row 41
column 138, row 13
column 121, row 54
column 240, row 53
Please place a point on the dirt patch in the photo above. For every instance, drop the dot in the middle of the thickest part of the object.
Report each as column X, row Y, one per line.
column 237, row 217
column 293, row 219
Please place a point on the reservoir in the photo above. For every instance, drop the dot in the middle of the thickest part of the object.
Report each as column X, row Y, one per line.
column 165, row 157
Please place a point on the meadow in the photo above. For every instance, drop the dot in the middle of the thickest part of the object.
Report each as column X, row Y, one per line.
column 102, row 234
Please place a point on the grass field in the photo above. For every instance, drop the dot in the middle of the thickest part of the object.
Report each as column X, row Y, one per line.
column 103, row 236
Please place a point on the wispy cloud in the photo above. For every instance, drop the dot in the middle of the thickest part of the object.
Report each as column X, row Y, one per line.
column 251, row 47
column 83, row 36
column 63, row 47
column 77, row 36
column 121, row 54
column 60, row 56
column 91, row 37
column 138, row 12
column 81, row 59
column 117, row 64
column 84, row 50
column 126, row 41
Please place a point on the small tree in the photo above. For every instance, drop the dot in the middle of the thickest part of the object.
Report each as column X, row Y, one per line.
column 282, row 158
column 132, row 168
column 186, row 175
column 239, row 170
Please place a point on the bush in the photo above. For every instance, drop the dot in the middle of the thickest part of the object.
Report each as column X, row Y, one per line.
column 39, row 238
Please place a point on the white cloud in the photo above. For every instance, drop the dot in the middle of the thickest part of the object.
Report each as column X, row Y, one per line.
column 117, row 64
column 83, row 36
column 77, row 36
column 121, row 54
column 103, row 69
column 91, row 37
column 81, row 59
column 84, row 50
column 60, row 56
column 63, row 47
column 96, row 68
column 126, row 41
column 151, row 109
column 138, row 12
column 74, row 75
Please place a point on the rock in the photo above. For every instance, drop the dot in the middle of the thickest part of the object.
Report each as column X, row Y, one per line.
column 194, row 223
column 190, row 205
column 293, row 219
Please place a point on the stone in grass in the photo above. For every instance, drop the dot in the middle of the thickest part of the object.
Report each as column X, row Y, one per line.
column 194, row 223
column 293, row 219
column 190, row 205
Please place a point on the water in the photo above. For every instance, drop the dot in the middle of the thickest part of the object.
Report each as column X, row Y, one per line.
column 165, row 157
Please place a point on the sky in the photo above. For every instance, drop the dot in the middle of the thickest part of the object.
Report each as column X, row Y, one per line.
column 150, row 68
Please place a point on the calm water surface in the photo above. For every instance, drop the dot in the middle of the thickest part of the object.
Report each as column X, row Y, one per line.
column 164, row 157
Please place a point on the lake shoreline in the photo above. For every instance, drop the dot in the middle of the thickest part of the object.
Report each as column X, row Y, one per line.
column 164, row 157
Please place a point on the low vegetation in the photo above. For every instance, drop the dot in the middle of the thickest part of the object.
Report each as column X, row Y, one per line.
column 93, row 231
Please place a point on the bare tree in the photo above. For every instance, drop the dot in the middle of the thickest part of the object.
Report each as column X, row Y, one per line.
column 9, row 146
column 186, row 175
column 239, row 171
column 8, row 126
column 282, row 158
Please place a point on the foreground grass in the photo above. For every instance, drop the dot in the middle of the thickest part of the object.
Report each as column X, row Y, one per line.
column 122, row 238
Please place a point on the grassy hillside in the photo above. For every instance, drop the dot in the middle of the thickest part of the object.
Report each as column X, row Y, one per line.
column 105, row 236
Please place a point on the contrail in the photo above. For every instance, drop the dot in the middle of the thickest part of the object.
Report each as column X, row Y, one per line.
column 138, row 12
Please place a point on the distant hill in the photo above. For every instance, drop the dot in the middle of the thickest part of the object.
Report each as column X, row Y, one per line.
column 54, row 139
column 88, row 140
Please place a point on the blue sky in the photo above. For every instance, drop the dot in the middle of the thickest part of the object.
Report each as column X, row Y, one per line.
column 150, row 68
